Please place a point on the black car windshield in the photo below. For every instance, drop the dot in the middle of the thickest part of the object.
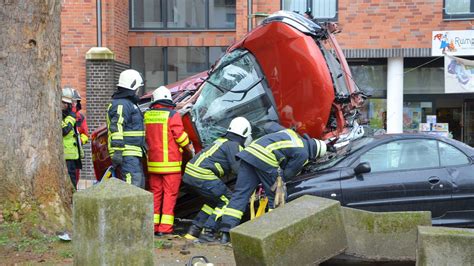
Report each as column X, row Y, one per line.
column 236, row 87
column 331, row 159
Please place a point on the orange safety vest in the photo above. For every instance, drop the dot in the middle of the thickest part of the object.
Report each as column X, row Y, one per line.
column 165, row 137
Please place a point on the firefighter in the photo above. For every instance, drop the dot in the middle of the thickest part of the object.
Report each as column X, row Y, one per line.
column 166, row 140
column 71, row 149
column 82, row 128
column 81, row 122
column 126, row 134
column 204, row 172
column 282, row 153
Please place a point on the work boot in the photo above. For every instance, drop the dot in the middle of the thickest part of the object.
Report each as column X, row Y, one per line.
column 208, row 235
column 193, row 232
column 225, row 238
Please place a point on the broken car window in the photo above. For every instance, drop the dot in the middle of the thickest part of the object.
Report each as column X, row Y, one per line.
column 335, row 68
column 235, row 88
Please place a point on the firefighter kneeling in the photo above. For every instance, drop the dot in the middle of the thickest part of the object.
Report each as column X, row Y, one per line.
column 283, row 153
column 203, row 174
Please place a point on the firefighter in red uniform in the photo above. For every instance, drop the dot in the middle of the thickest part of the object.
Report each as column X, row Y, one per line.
column 166, row 140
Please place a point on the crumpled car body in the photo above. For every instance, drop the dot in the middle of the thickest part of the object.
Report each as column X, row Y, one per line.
column 289, row 70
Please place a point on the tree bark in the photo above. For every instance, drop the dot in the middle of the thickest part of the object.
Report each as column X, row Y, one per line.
column 33, row 178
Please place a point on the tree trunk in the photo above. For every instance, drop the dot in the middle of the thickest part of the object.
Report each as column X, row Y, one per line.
column 34, row 185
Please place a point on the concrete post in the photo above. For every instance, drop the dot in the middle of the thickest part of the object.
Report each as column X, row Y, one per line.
column 113, row 225
column 395, row 95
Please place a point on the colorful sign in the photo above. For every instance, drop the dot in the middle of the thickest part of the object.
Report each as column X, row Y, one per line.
column 456, row 42
column 458, row 75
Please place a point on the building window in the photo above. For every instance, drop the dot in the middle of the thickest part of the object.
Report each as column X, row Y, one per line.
column 458, row 9
column 322, row 10
column 164, row 65
column 182, row 14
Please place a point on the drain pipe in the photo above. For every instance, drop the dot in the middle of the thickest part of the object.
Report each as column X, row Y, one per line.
column 249, row 15
column 99, row 23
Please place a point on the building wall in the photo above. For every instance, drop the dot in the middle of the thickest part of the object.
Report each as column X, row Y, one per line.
column 78, row 35
column 115, row 27
column 374, row 24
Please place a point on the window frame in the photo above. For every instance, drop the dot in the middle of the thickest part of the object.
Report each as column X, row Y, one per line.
column 164, row 14
column 465, row 16
column 309, row 3
column 166, row 60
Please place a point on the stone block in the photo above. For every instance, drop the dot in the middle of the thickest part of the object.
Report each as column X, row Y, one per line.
column 383, row 235
column 113, row 225
column 308, row 230
column 445, row 246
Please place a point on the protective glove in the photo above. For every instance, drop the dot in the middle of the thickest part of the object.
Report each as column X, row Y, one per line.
column 117, row 159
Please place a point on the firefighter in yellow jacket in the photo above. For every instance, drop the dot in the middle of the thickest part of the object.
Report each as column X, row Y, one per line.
column 70, row 141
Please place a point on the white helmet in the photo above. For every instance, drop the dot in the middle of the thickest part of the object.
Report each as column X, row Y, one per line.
column 240, row 126
column 162, row 93
column 130, row 79
column 76, row 96
column 320, row 148
column 67, row 95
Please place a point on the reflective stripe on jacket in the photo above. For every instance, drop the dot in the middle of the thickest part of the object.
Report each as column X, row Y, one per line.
column 165, row 138
column 284, row 149
column 125, row 128
column 215, row 161
column 71, row 151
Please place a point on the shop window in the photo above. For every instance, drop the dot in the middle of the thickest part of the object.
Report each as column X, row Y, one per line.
column 182, row 14
column 164, row 65
column 458, row 9
column 322, row 10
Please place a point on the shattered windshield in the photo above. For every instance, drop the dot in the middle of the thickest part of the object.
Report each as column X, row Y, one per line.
column 235, row 88
column 335, row 68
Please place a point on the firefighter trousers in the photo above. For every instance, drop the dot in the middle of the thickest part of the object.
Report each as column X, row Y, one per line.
column 248, row 179
column 132, row 171
column 71, row 170
column 217, row 196
column 165, row 189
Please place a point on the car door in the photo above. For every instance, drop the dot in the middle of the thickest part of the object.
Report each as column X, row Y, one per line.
column 405, row 176
column 461, row 171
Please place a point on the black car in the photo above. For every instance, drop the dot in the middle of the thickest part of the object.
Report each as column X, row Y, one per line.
column 399, row 172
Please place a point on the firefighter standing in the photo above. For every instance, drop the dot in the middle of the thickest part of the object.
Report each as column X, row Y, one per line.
column 70, row 143
column 282, row 153
column 166, row 140
column 126, row 135
column 82, row 128
column 203, row 174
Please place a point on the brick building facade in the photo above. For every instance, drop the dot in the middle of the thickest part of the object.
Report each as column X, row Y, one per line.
column 376, row 36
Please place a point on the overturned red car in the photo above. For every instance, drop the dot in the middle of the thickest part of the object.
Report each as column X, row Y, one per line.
column 289, row 69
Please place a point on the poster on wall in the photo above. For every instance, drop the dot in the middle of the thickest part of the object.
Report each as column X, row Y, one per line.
column 411, row 117
column 458, row 75
column 455, row 42
column 378, row 113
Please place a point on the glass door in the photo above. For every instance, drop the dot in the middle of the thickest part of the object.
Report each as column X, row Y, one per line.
column 468, row 122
